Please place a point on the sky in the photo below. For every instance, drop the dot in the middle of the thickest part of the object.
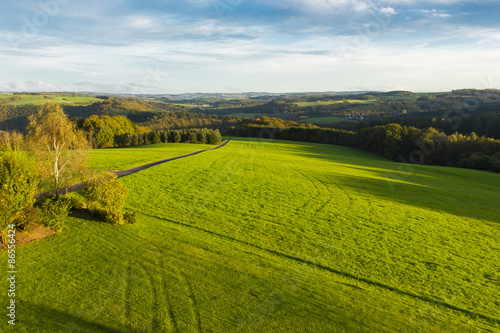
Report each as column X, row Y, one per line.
column 234, row 46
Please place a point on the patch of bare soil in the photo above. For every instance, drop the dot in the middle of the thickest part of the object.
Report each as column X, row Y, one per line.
column 33, row 233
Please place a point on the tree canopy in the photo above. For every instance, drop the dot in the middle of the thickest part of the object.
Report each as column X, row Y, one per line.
column 60, row 148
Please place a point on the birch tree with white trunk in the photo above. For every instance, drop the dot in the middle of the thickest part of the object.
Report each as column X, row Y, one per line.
column 60, row 148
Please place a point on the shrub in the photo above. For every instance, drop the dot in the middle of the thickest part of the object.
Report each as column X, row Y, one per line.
column 54, row 212
column 114, row 218
column 75, row 202
column 29, row 216
column 96, row 187
column 18, row 184
column 130, row 218
column 115, row 196
column 110, row 193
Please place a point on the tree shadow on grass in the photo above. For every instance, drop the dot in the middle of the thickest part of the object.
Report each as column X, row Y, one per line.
column 413, row 185
column 440, row 199
column 47, row 319
column 353, row 277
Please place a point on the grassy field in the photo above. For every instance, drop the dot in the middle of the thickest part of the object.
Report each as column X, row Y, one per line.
column 323, row 120
column 40, row 99
column 126, row 158
column 352, row 101
column 275, row 236
column 251, row 115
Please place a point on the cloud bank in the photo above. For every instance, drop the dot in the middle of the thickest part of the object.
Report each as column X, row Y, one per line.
column 161, row 46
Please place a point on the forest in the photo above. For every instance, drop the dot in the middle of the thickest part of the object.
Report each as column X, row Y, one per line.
column 462, row 126
column 394, row 141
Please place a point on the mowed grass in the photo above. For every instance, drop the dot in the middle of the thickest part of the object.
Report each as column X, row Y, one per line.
column 323, row 120
column 271, row 236
column 126, row 158
column 40, row 99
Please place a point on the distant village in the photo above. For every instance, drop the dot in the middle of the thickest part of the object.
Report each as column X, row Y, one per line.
column 354, row 117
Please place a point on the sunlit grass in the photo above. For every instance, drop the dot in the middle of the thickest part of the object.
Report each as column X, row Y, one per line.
column 351, row 101
column 40, row 99
column 271, row 236
column 126, row 158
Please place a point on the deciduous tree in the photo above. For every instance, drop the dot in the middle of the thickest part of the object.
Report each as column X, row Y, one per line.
column 18, row 184
column 61, row 150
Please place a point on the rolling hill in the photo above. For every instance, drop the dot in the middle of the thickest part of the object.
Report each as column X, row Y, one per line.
column 275, row 236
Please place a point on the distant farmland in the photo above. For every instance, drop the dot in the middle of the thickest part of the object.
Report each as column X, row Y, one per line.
column 323, row 120
column 351, row 101
column 42, row 99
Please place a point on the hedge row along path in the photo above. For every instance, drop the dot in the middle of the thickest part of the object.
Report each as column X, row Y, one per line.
column 123, row 173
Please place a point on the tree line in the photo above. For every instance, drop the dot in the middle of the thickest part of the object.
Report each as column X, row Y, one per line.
column 394, row 141
column 118, row 131
column 197, row 135
column 482, row 122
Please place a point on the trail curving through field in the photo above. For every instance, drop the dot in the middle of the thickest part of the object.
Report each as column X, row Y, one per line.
column 123, row 173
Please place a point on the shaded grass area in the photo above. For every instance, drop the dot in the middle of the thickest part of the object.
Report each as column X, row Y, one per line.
column 249, row 114
column 271, row 236
column 322, row 120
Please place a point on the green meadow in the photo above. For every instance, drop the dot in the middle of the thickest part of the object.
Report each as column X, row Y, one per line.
column 250, row 115
column 352, row 101
column 130, row 157
column 41, row 99
column 322, row 120
column 273, row 236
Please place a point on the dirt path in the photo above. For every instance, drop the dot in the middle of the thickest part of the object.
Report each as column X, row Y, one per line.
column 123, row 173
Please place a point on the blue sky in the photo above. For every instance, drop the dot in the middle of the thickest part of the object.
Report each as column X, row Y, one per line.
column 164, row 46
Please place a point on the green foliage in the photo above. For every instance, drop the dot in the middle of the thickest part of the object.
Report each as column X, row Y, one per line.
column 130, row 217
column 54, row 212
column 393, row 141
column 214, row 137
column 60, row 149
column 118, row 131
column 18, row 184
column 95, row 187
column 110, row 193
column 175, row 137
column 114, row 217
column 29, row 217
column 11, row 141
column 114, row 198
column 108, row 131
column 393, row 137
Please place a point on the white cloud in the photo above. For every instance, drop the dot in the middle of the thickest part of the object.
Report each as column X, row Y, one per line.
column 482, row 35
column 306, row 45
column 388, row 10
column 434, row 13
column 31, row 86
